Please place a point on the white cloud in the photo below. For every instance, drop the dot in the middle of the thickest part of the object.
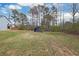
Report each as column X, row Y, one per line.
column 14, row 7
column 77, row 14
column 3, row 10
column 67, row 17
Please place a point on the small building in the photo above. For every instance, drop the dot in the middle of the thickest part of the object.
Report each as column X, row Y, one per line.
column 3, row 24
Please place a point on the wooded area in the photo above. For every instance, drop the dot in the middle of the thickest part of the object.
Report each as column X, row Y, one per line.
column 46, row 18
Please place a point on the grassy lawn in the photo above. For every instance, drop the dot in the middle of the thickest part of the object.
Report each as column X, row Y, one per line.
column 41, row 43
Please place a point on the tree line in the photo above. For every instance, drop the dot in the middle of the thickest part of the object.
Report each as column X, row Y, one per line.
column 46, row 17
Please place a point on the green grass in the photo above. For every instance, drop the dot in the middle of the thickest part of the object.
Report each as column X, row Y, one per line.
column 5, row 35
column 38, row 43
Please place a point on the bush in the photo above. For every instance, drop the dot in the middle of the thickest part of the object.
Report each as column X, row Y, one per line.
column 22, row 27
column 42, row 28
column 72, row 28
column 51, row 28
column 55, row 28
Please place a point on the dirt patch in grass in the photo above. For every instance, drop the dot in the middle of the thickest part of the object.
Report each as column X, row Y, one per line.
column 11, row 52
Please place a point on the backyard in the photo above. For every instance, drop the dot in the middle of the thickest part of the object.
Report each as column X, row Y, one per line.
column 29, row 43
